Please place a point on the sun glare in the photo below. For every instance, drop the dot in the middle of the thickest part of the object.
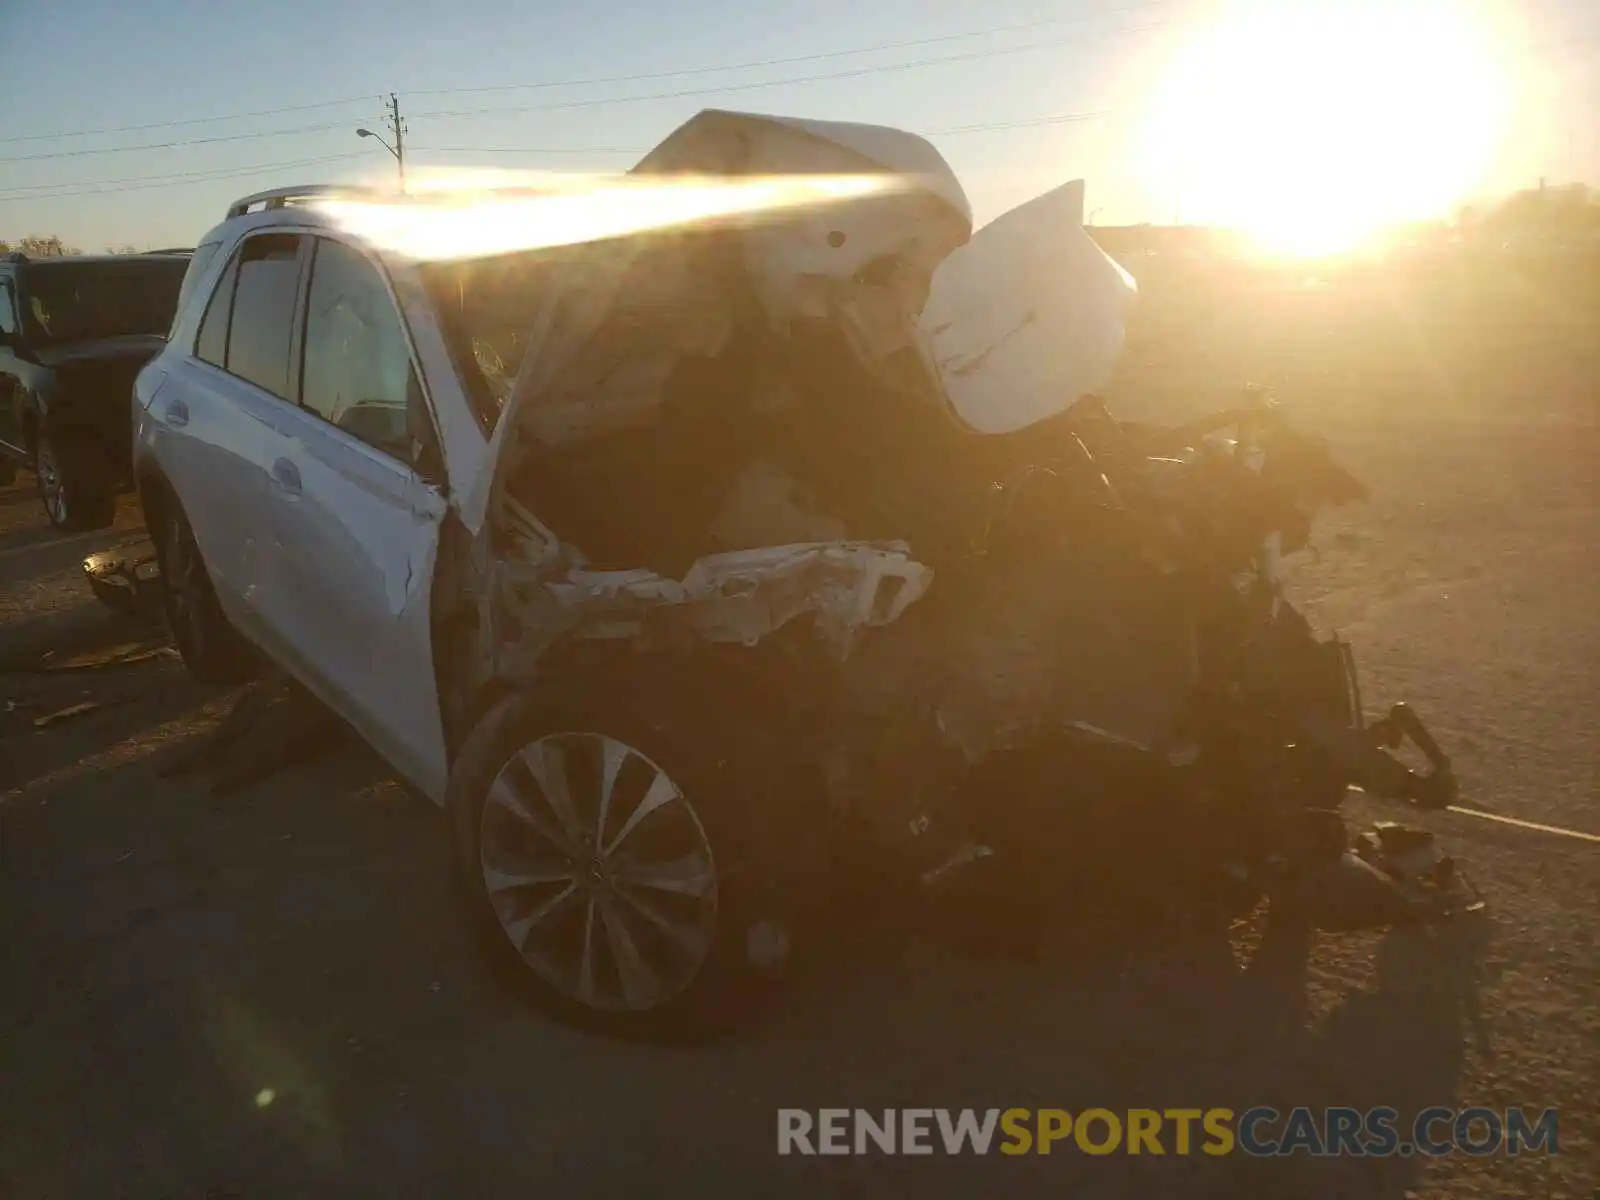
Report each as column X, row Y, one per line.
column 464, row 215
column 1310, row 125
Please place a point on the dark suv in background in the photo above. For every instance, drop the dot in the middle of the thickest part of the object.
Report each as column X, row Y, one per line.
column 74, row 332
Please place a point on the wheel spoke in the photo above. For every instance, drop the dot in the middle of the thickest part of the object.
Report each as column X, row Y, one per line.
column 519, row 928
column 586, row 989
column 661, row 791
column 613, row 755
column 547, row 763
column 507, row 796
column 689, row 937
column 639, row 982
column 496, row 881
column 687, row 876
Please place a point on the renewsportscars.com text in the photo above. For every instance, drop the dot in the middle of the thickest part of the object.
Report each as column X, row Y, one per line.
column 1259, row 1131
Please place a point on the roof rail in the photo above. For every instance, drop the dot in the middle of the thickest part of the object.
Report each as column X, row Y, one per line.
column 171, row 250
column 284, row 196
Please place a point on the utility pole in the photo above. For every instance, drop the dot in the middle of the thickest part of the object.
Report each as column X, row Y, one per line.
column 397, row 129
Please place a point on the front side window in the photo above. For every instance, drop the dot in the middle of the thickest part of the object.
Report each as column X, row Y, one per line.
column 262, row 326
column 358, row 374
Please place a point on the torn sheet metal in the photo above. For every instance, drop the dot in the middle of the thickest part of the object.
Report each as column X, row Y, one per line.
column 1028, row 316
column 738, row 597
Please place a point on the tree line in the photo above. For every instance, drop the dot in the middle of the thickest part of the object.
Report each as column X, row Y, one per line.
column 54, row 247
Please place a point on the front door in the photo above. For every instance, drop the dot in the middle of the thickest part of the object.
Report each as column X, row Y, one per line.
column 355, row 522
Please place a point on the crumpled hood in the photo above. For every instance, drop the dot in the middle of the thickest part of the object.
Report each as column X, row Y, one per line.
column 921, row 213
column 1028, row 316
column 1021, row 320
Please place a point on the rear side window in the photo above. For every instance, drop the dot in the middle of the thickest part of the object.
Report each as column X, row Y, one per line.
column 8, row 307
column 198, row 262
column 262, row 325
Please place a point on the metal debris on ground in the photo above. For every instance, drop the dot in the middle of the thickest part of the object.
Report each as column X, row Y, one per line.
column 125, row 579
column 285, row 726
column 125, row 655
column 66, row 714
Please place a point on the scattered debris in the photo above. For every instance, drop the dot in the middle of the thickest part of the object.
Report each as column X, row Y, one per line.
column 119, row 656
column 285, row 726
column 66, row 714
column 125, row 579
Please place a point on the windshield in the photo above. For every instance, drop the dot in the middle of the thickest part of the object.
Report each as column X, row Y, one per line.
column 77, row 301
column 488, row 308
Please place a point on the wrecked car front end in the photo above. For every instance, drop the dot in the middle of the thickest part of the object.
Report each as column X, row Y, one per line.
column 842, row 436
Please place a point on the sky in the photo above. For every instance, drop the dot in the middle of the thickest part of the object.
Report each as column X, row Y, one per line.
column 122, row 124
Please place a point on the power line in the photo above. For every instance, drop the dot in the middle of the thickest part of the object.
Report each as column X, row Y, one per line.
column 613, row 79
column 881, row 68
column 788, row 60
column 213, row 176
column 232, row 137
column 140, row 183
column 596, row 81
column 167, row 177
column 265, row 112
column 857, row 72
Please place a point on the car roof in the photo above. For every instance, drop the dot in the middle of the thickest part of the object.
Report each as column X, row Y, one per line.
column 289, row 216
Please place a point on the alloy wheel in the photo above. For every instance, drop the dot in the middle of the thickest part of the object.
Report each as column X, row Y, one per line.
column 599, row 872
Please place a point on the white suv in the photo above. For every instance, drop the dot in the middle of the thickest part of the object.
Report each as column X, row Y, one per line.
column 347, row 453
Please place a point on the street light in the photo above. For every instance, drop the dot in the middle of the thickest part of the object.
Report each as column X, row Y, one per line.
column 367, row 133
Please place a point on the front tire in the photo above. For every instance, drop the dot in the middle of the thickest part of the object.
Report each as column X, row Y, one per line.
column 212, row 650
column 74, row 499
column 603, row 859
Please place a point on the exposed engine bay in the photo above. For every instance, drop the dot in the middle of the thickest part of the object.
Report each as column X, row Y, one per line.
column 727, row 427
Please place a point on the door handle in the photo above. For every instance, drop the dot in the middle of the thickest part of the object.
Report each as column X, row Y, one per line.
column 177, row 414
column 286, row 477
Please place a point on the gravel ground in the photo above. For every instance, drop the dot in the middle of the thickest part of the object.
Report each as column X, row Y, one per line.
column 269, row 993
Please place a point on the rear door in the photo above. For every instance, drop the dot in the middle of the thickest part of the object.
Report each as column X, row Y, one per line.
column 356, row 504
column 218, row 419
